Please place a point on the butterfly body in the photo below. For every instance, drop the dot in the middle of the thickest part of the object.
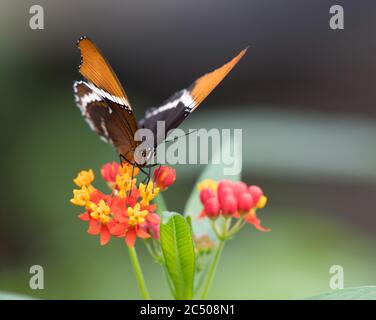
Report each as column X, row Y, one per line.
column 106, row 108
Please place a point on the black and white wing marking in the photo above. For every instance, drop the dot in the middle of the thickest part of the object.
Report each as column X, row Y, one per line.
column 175, row 109
column 88, row 100
column 105, row 117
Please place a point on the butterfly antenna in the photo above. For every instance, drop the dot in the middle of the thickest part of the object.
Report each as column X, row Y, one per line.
column 184, row 135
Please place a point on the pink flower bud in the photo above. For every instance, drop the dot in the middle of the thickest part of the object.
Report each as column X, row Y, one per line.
column 239, row 188
column 256, row 193
column 206, row 194
column 224, row 192
column 212, row 207
column 224, row 184
column 164, row 177
column 229, row 205
column 245, row 202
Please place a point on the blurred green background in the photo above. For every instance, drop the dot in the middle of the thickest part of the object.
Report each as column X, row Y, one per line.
column 303, row 96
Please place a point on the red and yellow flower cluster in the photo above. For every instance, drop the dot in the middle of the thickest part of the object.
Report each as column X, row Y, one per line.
column 232, row 199
column 127, row 212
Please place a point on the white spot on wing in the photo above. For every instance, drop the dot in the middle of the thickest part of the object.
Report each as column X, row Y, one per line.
column 185, row 98
column 82, row 103
column 103, row 126
column 90, row 123
column 119, row 100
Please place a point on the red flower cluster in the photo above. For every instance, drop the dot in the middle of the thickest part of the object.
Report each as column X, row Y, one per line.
column 232, row 199
column 127, row 212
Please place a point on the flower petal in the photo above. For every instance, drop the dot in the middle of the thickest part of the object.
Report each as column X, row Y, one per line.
column 142, row 233
column 118, row 209
column 105, row 235
column 201, row 215
column 130, row 237
column 152, row 207
column 117, row 229
column 252, row 219
column 84, row 216
column 236, row 215
column 96, row 196
column 94, row 227
column 153, row 218
column 131, row 202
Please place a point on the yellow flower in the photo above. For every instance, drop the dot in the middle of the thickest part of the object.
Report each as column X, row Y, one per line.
column 136, row 215
column 126, row 169
column 262, row 202
column 100, row 211
column 147, row 192
column 208, row 183
column 81, row 197
column 125, row 184
column 84, row 178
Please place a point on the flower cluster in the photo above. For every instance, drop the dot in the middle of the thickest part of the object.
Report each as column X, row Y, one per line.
column 232, row 199
column 127, row 212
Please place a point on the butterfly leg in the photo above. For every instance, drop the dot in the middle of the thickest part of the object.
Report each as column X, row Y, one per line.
column 148, row 175
column 152, row 165
column 148, row 166
column 132, row 164
column 132, row 176
column 146, row 178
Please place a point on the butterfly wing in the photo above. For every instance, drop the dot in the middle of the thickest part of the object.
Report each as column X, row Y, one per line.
column 102, row 100
column 175, row 109
column 105, row 118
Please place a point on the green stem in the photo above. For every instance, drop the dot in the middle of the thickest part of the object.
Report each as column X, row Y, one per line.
column 212, row 269
column 138, row 272
column 151, row 251
column 226, row 226
column 214, row 227
column 236, row 227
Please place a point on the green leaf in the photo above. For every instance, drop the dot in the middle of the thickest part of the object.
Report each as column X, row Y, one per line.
column 178, row 252
column 161, row 204
column 215, row 172
column 357, row 293
column 189, row 221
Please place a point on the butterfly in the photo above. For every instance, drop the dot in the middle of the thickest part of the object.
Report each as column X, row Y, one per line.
column 106, row 107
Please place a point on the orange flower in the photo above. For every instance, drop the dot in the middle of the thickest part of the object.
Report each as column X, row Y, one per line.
column 136, row 222
column 126, row 212
column 99, row 216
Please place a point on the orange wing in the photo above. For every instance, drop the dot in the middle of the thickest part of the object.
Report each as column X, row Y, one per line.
column 202, row 87
column 180, row 105
column 95, row 68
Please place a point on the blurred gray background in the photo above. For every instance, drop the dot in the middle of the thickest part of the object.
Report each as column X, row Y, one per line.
column 303, row 96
